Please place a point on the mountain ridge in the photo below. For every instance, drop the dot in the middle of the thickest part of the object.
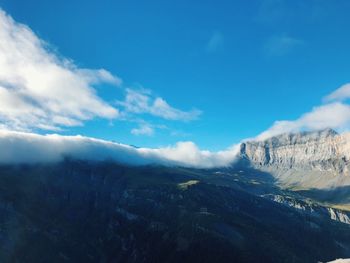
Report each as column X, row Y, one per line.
column 319, row 159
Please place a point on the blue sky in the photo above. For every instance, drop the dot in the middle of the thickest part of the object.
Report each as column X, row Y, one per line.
column 236, row 66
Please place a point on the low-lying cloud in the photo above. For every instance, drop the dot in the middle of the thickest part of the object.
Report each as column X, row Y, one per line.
column 30, row 148
column 340, row 260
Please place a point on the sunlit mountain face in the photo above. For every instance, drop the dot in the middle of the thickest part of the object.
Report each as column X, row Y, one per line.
column 174, row 132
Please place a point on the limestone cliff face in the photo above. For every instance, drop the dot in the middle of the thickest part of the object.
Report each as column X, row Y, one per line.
column 324, row 152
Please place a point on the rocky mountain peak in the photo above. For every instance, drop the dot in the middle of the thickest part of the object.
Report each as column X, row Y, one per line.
column 317, row 153
column 297, row 138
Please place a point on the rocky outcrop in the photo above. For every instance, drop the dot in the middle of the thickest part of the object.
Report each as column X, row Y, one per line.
column 324, row 151
column 306, row 156
column 310, row 207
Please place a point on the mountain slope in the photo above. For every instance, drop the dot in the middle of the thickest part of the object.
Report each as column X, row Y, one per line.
column 275, row 204
column 78, row 211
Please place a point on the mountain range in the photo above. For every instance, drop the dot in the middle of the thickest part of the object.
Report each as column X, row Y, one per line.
column 284, row 199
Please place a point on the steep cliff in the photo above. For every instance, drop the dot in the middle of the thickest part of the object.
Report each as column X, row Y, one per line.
column 310, row 159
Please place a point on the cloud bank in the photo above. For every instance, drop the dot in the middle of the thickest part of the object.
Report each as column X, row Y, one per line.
column 335, row 114
column 30, row 148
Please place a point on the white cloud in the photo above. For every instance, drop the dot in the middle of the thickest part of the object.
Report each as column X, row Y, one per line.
column 20, row 147
column 281, row 45
column 142, row 101
column 215, row 42
column 42, row 90
column 38, row 89
column 143, row 129
column 335, row 115
column 340, row 260
column 340, row 94
column 189, row 155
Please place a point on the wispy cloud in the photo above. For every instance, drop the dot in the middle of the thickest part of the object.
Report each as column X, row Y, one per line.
column 286, row 12
column 272, row 11
column 332, row 114
column 38, row 89
column 215, row 42
column 343, row 93
column 143, row 129
column 143, row 102
column 281, row 45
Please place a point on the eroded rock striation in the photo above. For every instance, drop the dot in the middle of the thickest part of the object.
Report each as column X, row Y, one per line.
column 309, row 159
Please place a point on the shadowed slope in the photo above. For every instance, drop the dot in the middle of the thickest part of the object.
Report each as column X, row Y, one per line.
column 103, row 212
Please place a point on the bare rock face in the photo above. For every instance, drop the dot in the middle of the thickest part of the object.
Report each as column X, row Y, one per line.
column 323, row 151
column 310, row 159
